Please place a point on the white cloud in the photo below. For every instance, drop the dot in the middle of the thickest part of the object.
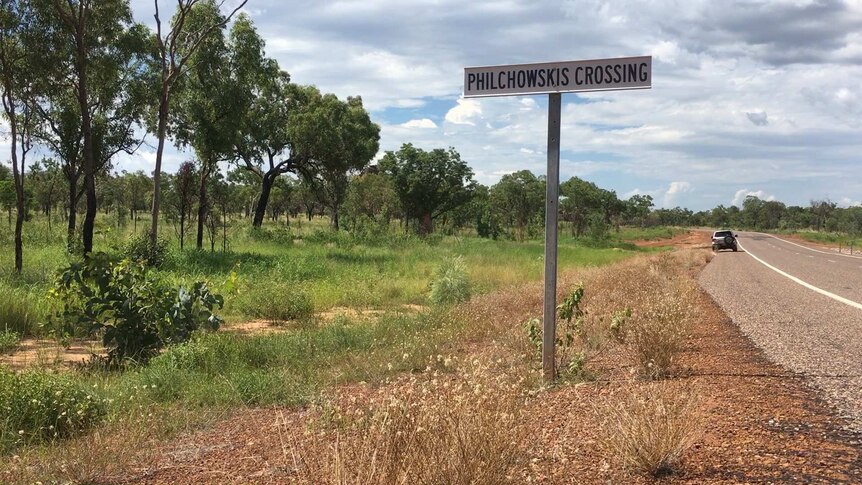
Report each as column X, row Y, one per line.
column 741, row 194
column 423, row 123
column 848, row 202
column 466, row 112
column 674, row 191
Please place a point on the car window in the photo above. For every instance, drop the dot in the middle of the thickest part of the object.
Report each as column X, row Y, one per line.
column 722, row 234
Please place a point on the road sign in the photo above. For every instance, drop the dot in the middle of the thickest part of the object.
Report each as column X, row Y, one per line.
column 559, row 77
column 554, row 78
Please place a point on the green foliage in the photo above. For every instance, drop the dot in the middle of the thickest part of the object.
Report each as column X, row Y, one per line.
column 451, row 283
column 140, row 249
column 9, row 340
column 518, row 199
column 37, row 407
column 580, row 338
column 135, row 313
column 429, row 184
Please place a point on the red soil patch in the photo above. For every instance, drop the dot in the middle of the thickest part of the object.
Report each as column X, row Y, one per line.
column 689, row 240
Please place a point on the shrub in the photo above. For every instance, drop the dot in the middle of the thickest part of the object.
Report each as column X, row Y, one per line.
column 9, row 340
column 37, row 407
column 648, row 429
column 451, row 284
column 140, row 250
column 581, row 337
column 135, row 313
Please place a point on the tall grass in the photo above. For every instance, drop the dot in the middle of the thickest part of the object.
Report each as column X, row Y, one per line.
column 22, row 310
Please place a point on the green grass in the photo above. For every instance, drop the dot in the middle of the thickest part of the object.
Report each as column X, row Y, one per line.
column 830, row 238
column 276, row 265
column 283, row 274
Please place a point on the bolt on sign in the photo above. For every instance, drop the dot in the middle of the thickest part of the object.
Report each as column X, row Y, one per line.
column 553, row 79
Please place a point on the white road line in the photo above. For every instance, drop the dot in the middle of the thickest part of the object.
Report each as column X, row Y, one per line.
column 806, row 247
column 803, row 283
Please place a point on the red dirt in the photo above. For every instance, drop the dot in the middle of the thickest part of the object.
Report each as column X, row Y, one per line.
column 688, row 240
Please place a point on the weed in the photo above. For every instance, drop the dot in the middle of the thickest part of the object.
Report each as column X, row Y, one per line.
column 9, row 340
column 648, row 429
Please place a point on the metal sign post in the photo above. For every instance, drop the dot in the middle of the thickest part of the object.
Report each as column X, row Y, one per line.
column 554, row 78
column 552, row 210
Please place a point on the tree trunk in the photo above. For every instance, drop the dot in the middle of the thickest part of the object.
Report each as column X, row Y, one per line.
column 333, row 220
column 203, row 206
column 157, row 171
column 182, row 227
column 427, row 225
column 73, row 214
column 263, row 200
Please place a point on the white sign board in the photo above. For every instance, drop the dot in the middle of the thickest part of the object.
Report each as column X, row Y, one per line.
column 559, row 77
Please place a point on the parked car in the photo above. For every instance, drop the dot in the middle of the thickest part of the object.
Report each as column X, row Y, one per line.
column 724, row 240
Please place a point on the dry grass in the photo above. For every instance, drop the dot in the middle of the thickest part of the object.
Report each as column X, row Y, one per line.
column 107, row 454
column 647, row 429
column 465, row 427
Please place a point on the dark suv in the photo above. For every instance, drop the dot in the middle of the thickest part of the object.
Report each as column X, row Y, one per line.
column 724, row 240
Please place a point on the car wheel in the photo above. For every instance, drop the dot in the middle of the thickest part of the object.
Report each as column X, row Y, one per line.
column 728, row 240
column 734, row 249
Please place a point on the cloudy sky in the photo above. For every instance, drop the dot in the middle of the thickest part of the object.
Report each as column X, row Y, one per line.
column 749, row 97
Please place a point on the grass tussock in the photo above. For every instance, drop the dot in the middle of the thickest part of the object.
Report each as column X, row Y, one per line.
column 462, row 427
column 450, row 284
column 648, row 429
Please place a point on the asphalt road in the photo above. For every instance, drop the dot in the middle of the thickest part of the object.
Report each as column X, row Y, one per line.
column 802, row 306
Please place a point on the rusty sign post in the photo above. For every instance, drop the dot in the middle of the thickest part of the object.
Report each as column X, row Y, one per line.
column 553, row 79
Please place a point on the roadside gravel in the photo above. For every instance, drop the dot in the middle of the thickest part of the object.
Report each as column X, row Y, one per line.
column 798, row 328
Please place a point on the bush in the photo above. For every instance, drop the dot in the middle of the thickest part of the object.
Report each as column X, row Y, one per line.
column 140, row 250
column 451, row 284
column 37, row 407
column 135, row 313
column 647, row 430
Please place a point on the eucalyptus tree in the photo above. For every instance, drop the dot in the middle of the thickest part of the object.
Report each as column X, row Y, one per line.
column 16, row 76
column 174, row 47
column 349, row 141
column 205, row 119
column 266, row 100
column 91, row 71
